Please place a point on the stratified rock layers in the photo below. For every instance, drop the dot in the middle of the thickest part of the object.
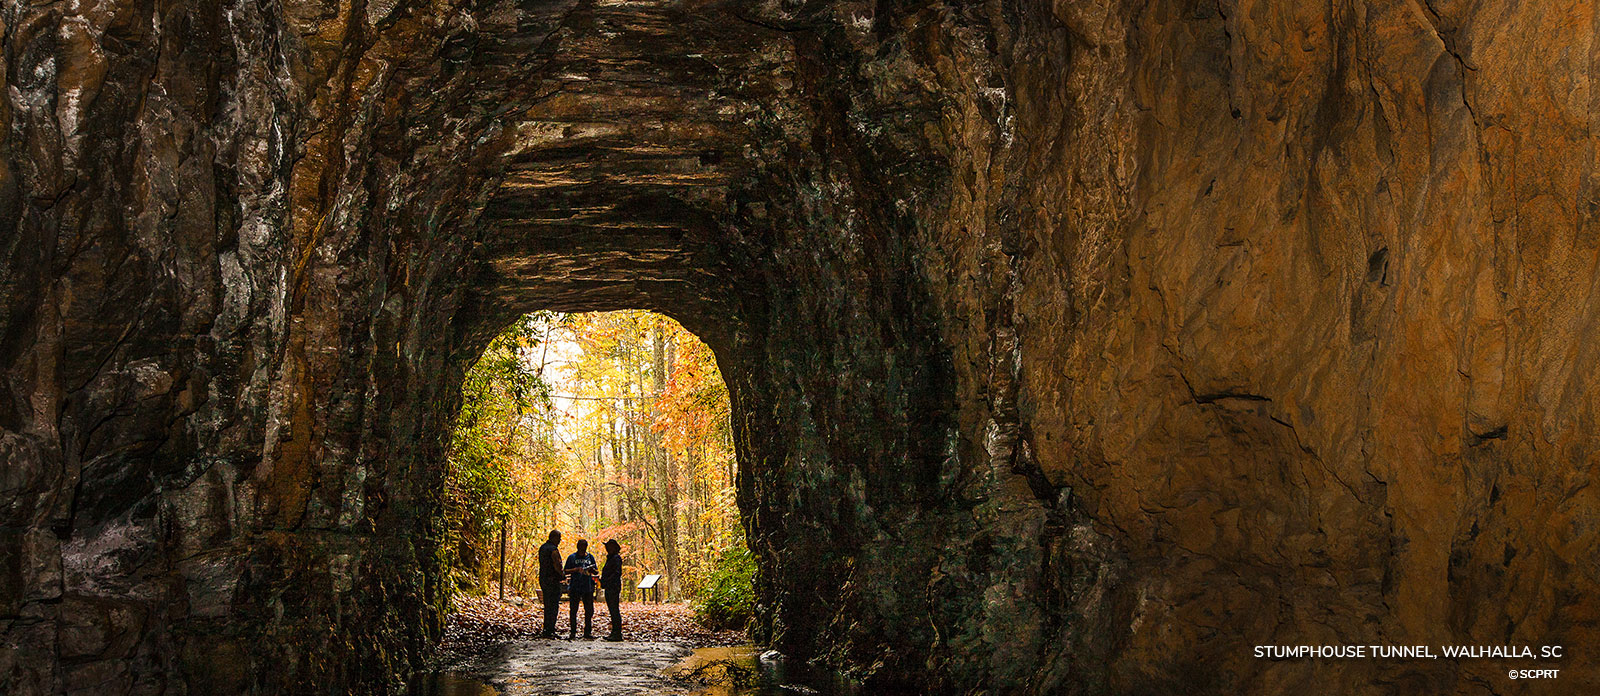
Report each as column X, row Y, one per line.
column 1074, row 348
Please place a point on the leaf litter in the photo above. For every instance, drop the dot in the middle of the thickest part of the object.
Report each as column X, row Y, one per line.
column 477, row 627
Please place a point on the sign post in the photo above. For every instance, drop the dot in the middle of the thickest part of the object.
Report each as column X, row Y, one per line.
column 503, row 521
column 651, row 583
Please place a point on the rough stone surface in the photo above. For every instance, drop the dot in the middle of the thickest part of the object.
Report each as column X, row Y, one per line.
column 1087, row 344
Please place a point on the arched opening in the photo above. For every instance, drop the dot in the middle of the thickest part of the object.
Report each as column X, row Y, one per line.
column 603, row 427
column 613, row 425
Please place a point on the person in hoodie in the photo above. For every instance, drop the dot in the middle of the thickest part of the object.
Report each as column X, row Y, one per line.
column 581, row 571
column 611, row 582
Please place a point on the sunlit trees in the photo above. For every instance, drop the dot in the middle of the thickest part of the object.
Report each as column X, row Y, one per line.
column 494, row 440
column 601, row 425
column 691, row 416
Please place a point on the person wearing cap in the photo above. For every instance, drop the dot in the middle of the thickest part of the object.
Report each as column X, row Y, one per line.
column 611, row 582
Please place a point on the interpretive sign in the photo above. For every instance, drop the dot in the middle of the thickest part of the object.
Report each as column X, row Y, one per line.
column 648, row 584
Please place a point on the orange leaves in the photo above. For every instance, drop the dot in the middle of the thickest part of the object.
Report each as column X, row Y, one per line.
column 693, row 408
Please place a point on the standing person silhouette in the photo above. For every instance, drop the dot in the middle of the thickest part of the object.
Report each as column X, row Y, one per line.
column 581, row 571
column 611, row 582
column 550, row 582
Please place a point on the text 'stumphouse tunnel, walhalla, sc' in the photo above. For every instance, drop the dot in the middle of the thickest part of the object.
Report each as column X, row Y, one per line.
column 1084, row 345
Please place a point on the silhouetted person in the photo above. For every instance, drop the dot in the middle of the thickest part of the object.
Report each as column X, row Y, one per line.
column 611, row 582
column 550, row 581
column 581, row 570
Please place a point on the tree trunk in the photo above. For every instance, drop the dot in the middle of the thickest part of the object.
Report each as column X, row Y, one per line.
column 667, row 472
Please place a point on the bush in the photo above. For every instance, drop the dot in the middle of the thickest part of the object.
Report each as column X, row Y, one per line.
column 726, row 599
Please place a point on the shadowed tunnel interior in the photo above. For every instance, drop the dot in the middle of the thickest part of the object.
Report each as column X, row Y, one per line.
column 1079, row 346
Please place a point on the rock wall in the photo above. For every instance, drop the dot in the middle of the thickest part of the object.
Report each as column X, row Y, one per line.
column 1266, row 324
column 1075, row 347
column 232, row 257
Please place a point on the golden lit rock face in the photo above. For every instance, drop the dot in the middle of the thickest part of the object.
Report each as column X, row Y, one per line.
column 1075, row 347
column 1301, row 321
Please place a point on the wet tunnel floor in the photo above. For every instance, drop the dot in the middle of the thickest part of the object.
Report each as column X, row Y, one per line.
column 491, row 648
column 595, row 668
column 591, row 668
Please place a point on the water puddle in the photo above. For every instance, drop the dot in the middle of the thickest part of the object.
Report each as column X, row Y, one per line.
column 451, row 684
column 623, row 669
column 744, row 670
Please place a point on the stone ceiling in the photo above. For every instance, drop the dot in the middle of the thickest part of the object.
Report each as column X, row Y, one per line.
column 615, row 184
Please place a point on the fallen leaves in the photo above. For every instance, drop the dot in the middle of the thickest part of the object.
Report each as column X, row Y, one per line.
column 669, row 623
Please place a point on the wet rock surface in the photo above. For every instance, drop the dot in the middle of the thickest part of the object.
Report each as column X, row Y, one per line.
column 732, row 666
column 1075, row 347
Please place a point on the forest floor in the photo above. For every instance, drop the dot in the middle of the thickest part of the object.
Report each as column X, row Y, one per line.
column 478, row 626
column 492, row 647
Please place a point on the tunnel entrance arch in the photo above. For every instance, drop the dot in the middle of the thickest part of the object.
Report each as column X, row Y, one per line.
column 252, row 320
column 598, row 425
